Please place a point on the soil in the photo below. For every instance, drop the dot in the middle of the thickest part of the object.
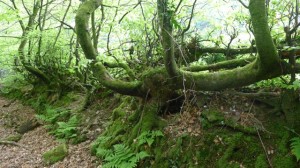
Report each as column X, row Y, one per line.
column 28, row 151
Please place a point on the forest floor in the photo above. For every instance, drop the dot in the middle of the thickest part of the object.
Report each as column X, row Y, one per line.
column 28, row 151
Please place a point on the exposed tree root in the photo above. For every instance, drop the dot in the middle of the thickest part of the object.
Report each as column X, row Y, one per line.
column 13, row 143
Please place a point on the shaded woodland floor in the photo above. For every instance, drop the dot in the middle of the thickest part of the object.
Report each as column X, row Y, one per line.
column 207, row 130
column 27, row 152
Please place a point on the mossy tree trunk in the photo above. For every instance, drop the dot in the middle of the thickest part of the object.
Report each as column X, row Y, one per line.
column 267, row 65
column 162, row 82
column 26, row 29
column 290, row 105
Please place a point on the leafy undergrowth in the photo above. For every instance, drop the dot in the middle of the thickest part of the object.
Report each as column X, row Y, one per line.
column 222, row 130
column 212, row 130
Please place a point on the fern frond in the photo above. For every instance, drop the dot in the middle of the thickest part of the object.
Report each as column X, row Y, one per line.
column 51, row 115
column 141, row 155
column 103, row 152
column 68, row 129
column 149, row 137
column 121, row 157
column 295, row 146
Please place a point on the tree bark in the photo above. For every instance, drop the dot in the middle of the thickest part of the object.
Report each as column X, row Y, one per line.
column 84, row 12
column 267, row 65
column 33, row 70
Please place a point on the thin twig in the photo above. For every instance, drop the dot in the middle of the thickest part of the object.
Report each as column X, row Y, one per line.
column 243, row 4
column 270, row 163
column 139, row 2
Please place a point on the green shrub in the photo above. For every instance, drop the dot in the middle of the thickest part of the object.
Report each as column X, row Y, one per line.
column 12, row 83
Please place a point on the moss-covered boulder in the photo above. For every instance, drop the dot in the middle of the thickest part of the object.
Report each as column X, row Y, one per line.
column 56, row 154
column 28, row 126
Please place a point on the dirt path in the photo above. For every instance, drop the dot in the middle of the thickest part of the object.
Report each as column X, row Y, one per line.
column 34, row 143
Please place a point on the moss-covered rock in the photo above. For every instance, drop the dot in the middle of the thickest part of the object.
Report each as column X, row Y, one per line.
column 56, row 154
column 27, row 126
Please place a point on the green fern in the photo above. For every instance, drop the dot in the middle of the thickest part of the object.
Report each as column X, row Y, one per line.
column 52, row 115
column 102, row 152
column 120, row 156
column 148, row 137
column 100, row 141
column 67, row 130
column 295, row 146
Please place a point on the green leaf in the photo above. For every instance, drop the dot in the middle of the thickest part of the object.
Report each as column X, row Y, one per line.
column 175, row 24
column 295, row 146
column 142, row 155
column 148, row 137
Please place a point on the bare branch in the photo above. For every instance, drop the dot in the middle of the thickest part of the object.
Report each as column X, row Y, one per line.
column 139, row 2
column 7, row 4
column 63, row 19
column 178, row 5
column 190, row 20
column 241, row 1
column 20, row 21
column 25, row 8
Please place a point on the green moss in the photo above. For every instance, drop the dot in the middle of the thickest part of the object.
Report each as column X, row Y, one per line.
column 148, row 121
column 68, row 98
column 14, row 138
column 27, row 126
column 134, row 117
column 222, row 145
column 283, row 158
column 283, row 143
column 121, row 110
column 12, row 93
column 149, row 118
column 118, row 113
column 233, row 143
column 291, row 107
column 56, row 154
column 117, row 130
column 213, row 115
column 117, row 127
column 261, row 161
column 151, row 72
column 78, row 139
column 284, row 161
